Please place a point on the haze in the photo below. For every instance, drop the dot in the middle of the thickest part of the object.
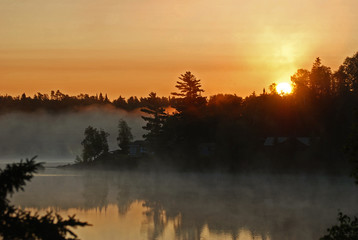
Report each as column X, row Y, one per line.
column 59, row 136
column 137, row 205
column 134, row 47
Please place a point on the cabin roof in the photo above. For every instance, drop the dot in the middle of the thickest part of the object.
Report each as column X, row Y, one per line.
column 271, row 141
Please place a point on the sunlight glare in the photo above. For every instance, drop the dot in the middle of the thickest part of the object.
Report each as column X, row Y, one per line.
column 284, row 88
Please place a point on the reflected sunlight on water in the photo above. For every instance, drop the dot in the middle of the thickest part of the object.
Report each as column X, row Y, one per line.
column 110, row 224
column 181, row 206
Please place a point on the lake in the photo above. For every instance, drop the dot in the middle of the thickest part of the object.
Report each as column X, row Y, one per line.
column 162, row 205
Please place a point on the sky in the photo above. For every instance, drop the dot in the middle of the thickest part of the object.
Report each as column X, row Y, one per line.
column 133, row 47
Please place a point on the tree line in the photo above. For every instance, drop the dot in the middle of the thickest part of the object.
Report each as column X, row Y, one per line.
column 228, row 132
column 317, row 83
column 320, row 108
column 57, row 101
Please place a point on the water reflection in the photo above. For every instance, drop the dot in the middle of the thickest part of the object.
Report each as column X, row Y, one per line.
column 95, row 192
column 193, row 206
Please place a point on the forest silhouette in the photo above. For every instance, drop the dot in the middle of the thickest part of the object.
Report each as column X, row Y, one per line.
column 305, row 130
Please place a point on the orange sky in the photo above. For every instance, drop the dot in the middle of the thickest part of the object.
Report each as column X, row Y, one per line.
column 126, row 47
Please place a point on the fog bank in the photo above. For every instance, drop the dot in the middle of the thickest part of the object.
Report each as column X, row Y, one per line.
column 58, row 136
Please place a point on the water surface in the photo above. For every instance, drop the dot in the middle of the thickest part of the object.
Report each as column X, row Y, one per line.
column 137, row 205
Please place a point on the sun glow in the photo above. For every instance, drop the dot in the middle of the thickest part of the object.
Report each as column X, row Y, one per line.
column 284, row 88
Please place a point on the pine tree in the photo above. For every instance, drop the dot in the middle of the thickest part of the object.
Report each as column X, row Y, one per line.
column 190, row 92
column 189, row 87
column 320, row 79
column 155, row 117
column 16, row 223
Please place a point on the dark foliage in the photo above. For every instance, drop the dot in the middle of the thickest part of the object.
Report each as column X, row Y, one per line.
column 58, row 102
column 351, row 147
column 94, row 144
column 124, row 136
column 16, row 223
column 189, row 93
column 189, row 87
column 346, row 229
column 155, row 118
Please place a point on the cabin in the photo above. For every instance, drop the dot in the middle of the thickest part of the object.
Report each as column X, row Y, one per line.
column 289, row 143
column 206, row 149
column 137, row 148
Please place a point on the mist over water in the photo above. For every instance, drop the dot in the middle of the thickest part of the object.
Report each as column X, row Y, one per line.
column 58, row 136
column 121, row 205
column 164, row 205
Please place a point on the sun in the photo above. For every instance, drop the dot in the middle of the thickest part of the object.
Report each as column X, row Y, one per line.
column 284, row 88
